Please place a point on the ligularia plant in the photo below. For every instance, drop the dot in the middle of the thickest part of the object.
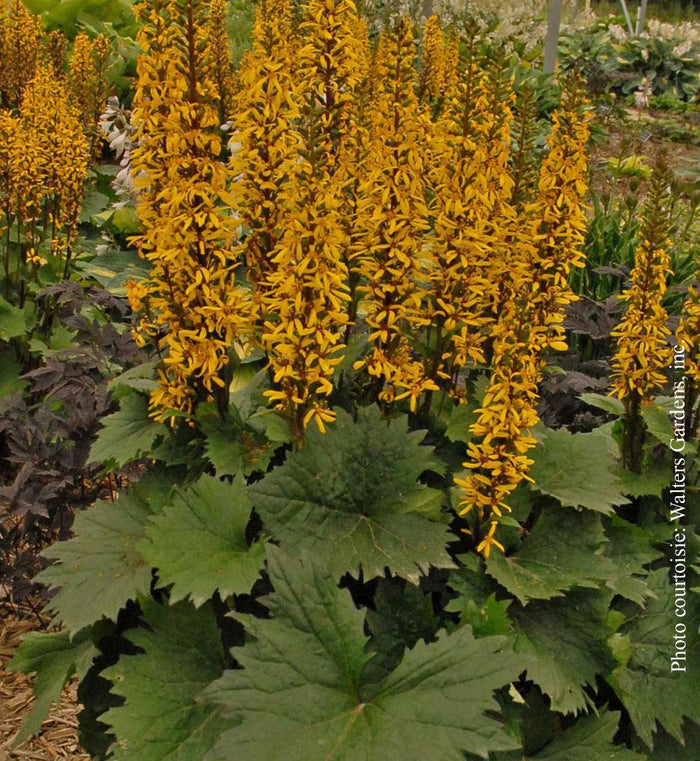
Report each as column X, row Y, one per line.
column 356, row 539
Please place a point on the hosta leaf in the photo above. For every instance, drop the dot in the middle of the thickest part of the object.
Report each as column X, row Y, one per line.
column 590, row 739
column 606, row 403
column 558, row 554
column 647, row 687
column 198, row 544
column 127, row 434
column 161, row 718
column 353, row 494
column 577, row 469
column 567, row 640
column 101, row 568
column 303, row 692
column 55, row 658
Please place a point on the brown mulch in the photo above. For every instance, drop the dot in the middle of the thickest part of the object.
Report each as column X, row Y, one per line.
column 59, row 733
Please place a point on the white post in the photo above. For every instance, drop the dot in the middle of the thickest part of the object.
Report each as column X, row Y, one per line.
column 641, row 16
column 573, row 11
column 627, row 17
column 550, row 45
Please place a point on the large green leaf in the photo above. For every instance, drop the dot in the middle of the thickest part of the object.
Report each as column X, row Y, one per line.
column 303, row 692
column 590, row 739
column 353, row 495
column 101, row 568
column 11, row 372
column 198, row 544
column 645, row 684
column 668, row 749
column 233, row 446
column 630, row 548
column 55, row 658
column 566, row 639
column 127, row 434
column 563, row 641
column 476, row 600
column 560, row 553
column 578, row 469
column 652, row 481
column 403, row 615
column 161, row 718
column 12, row 322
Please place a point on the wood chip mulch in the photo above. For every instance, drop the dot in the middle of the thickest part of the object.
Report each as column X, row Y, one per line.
column 59, row 733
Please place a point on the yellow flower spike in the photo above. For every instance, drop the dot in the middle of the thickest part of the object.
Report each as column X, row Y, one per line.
column 642, row 352
column 263, row 138
column 182, row 189
column 57, row 46
column 306, row 290
column 219, row 52
column 20, row 33
column 392, row 220
column 533, row 293
column 432, row 64
column 43, row 159
column 472, row 228
column 87, row 83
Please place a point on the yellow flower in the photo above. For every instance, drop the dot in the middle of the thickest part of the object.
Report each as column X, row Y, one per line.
column 20, row 34
column 488, row 541
column 390, row 258
column 432, row 75
column 263, row 137
column 47, row 114
column 306, row 290
column 87, row 83
column 473, row 218
column 33, row 258
column 531, row 298
column 193, row 308
column 57, row 44
column 43, row 163
column 220, row 53
column 642, row 353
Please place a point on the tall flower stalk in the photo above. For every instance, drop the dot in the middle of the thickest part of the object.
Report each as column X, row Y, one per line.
column 264, row 141
column 306, row 294
column 642, row 353
column 20, row 35
column 191, row 307
column 87, row 83
column 472, row 220
column 394, row 264
column 547, row 243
